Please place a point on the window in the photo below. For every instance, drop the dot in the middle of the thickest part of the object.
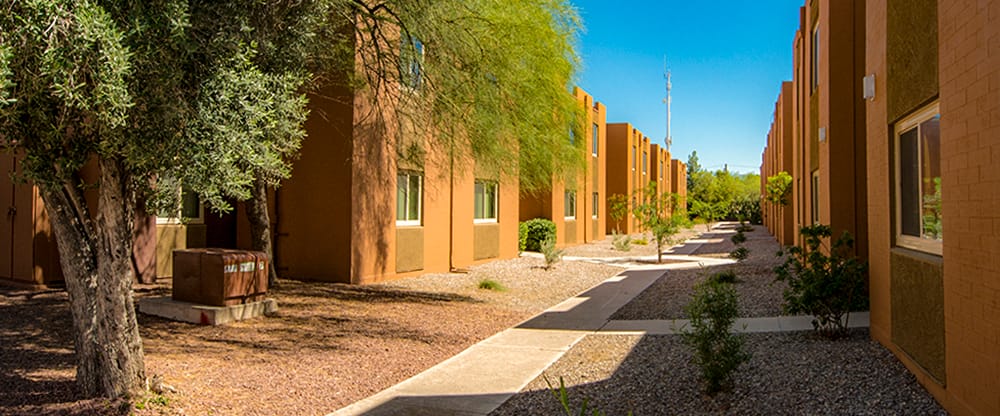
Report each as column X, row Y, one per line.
column 411, row 62
column 596, row 205
column 633, row 158
column 570, row 206
column 918, row 181
column 189, row 211
column 572, row 137
column 409, row 198
column 595, row 145
column 645, row 158
column 486, row 202
column 815, row 57
column 815, row 196
column 661, row 170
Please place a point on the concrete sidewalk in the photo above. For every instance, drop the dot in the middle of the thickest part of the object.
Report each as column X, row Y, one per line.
column 481, row 378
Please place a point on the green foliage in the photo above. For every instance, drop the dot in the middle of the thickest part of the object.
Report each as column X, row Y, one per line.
column 932, row 212
column 828, row 287
column 562, row 396
column 726, row 276
column 739, row 254
column 744, row 227
column 653, row 214
column 151, row 400
column 533, row 232
column 779, row 188
column 640, row 241
column 552, row 254
column 721, row 194
column 621, row 242
column 713, row 310
column 618, row 209
column 490, row 284
column 739, row 237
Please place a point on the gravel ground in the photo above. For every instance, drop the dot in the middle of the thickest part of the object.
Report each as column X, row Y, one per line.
column 604, row 248
column 329, row 345
column 759, row 295
column 789, row 374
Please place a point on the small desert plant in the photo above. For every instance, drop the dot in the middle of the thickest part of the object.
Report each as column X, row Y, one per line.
column 713, row 310
column 739, row 238
column 641, row 241
column 727, row 276
column 827, row 287
column 744, row 227
column 531, row 233
column 490, row 284
column 562, row 396
column 621, row 242
column 739, row 254
column 552, row 254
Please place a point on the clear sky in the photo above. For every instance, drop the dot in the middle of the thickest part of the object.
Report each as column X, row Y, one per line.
column 728, row 59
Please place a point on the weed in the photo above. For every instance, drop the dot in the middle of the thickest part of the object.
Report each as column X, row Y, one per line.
column 552, row 254
column 727, row 276
column 739, row 254
column 490, row 284
column 640, row 241
column 621, row 242
column 739, row 238
column 562, row 396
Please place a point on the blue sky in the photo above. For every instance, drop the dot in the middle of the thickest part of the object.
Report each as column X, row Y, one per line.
column 727, row 58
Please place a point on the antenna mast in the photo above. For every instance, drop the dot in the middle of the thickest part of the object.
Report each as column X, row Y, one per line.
column 666, row 75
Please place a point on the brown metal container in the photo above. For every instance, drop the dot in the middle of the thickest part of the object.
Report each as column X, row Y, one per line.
column 219, row 277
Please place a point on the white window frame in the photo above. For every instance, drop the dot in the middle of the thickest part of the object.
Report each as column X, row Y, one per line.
column 910, row 122
column 815, row 56
column 412, row 67
column 635, row 156
column 496, row 202
column 569, row 199
column 420, row 199
column 596, row 142
column 645, row 161
column 597, row 203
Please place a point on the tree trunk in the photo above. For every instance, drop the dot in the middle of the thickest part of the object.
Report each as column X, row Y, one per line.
column 96, row 262
column 260, row 227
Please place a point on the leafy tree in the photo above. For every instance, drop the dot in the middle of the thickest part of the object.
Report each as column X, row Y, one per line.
column 779, row 188
column 654, row 214
column 618, row 204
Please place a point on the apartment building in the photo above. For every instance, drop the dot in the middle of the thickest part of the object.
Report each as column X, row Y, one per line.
column 777, row 157
column 659, row 168
column 933, row 71
column 678, row 182
column 925, row 100
column 29, row 256
column 577, row 209
column 628, row 171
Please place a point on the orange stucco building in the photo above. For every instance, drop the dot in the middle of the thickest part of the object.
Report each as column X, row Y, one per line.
column 628, row 171
column 933, row 170
column 577, row 210
column 777, row 157
column 678, row 182
column 917, row 84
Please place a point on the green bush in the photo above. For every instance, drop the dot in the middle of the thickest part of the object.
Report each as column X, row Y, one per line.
column 640, row 241
column 827, row 287
column 739, row 238
column 552, row 254
column 717, row 352
column 740, row 254
column 621, row 242
column 531, row 233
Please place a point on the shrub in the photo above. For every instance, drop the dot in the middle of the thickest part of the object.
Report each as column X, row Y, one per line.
column 562, row 396
column 713, row 310
column 490, row 284
column 552, row 254
column 641, row 241
column 744, row 227
column 531, row 233
column 740, row 254
column 739, row 238
column 621, row 242
column 727, row 276
column 827, row 287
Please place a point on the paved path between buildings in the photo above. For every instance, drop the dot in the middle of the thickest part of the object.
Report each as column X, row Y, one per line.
column 481, row 378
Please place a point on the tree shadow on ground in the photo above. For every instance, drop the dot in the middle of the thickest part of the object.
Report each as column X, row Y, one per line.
column 37, row 358
column 368, row 294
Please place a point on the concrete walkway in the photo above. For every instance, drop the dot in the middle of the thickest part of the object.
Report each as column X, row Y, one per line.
column 481, row 378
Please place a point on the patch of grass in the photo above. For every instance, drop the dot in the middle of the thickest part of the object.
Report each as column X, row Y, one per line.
column 640, row 241
column 151, row 400
column 490, row 284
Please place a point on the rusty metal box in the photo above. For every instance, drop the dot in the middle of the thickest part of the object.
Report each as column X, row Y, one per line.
column 219, row 277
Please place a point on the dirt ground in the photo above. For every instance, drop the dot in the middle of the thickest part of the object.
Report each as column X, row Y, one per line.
column 328, row 346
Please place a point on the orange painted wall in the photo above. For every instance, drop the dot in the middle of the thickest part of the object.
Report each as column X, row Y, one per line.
column 626, row 173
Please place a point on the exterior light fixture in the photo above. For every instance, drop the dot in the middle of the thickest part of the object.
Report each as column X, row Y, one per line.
column 869, row 87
